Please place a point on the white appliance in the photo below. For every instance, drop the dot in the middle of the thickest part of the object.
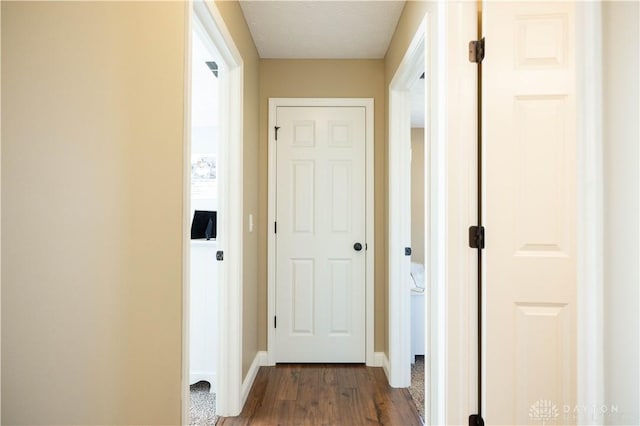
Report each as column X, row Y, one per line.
column 203, row 327
column 417, row 289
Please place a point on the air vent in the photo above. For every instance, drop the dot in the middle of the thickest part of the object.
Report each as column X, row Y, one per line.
column 213, row 67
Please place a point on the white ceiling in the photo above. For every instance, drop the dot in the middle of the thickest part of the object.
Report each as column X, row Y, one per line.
column 322, row 29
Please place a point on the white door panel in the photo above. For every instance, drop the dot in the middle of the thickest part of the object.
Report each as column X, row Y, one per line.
column 320, row 278
column 529, row 168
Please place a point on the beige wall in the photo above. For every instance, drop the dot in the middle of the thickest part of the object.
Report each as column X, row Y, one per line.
column 412, row 15
column 237, row 26
column 92, row 148
column 326, row 79
column 417, row 195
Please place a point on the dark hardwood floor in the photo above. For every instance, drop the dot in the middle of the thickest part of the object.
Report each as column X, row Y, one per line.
column 325, row 394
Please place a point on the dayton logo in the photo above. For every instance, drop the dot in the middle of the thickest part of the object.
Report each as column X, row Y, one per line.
column 544, row 411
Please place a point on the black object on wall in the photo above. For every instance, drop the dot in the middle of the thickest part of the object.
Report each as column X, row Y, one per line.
column 204, row 225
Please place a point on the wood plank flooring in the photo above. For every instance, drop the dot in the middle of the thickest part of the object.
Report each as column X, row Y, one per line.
column 325, row 394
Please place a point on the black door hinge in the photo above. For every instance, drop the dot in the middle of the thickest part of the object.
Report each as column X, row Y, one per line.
column 275, row 227
column 476, row 51
column 476, row 420
column 274, row 321
column 277, row 128
column 407, row 251
column 476, row 237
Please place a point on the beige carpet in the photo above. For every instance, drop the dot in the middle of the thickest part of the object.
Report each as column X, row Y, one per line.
column 417, row 384
column 203, row 405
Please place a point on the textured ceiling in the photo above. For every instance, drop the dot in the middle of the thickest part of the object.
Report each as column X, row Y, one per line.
column 320, row 29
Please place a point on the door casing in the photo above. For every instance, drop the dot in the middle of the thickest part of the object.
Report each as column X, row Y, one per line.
column 368, row 104
column 229, row 399
column 409, row 71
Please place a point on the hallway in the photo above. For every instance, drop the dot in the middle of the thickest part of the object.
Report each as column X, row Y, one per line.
column 325, row 394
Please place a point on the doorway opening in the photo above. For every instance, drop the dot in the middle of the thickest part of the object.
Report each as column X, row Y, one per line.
column 318, row 138
column 204, row 207
column 402, row 291
column 417, row 269
column 212, row 217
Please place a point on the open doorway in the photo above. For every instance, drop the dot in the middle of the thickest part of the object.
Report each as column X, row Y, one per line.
column 203, row 273
column 415, row 229
column 213, row 163
column 417, row 271
column 403, row 292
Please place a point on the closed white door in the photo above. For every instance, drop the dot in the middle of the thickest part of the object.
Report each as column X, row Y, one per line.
column 529, row 108
column 320, row 247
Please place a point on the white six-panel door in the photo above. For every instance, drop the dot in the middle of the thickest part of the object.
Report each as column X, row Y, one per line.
column 320, row 214
column 529, row 108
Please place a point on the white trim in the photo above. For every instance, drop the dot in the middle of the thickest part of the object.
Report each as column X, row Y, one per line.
column 379, row 360
column 435, row 250
column 408, row 72
column 258, row 361
column 368, row 104
column 590, row 244
column 462, row 207
column 229, row 367
column 385, row 365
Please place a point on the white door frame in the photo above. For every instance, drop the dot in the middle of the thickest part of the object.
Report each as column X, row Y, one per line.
column 367, row 103
column 229, row 366
column 408, row 73
column 590, row 225
column 451, row 197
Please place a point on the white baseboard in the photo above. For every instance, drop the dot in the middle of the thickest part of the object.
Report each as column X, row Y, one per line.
column 259, row 360
column 380, row 360
column 385, row 366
